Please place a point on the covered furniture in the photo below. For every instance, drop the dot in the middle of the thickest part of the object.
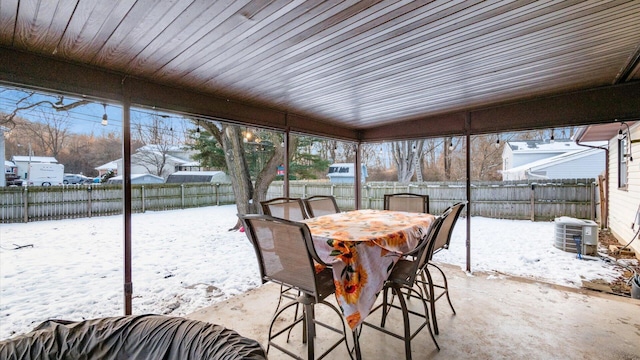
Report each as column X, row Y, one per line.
column 362, row 247
column 401, row 282
column 319, row 205
column 286, row 255
column 149, row 337
column 407, row 202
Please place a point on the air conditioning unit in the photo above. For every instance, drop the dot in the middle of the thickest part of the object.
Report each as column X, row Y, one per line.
column 571, row 231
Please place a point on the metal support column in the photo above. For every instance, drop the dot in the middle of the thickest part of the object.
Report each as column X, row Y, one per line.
column 126, row 200
column 468, row 151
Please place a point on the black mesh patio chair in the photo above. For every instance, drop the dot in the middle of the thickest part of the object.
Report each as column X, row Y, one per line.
column 401, row 283
column 285, row 208
column 407, row 202
column 286, row 256
column 319, row 205
column 442, row 240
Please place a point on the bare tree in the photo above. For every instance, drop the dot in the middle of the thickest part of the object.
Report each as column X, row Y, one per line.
column 406, row 155
column 159, row 140
column 25, row 103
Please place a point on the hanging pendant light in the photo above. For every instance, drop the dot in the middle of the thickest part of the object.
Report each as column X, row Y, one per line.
column 104, row 121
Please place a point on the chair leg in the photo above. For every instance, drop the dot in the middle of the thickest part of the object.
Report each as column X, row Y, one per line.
column 445, row 286
column 310, row 330
column 385, row 306
column 432, row 300
column 405, row 320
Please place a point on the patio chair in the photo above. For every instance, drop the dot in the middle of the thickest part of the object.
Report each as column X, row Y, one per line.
column 407, row 202
column 290, row 209
column 285, row 208
column 403, row 277
column 450, row 217
column 286, row 256
column 319, row 205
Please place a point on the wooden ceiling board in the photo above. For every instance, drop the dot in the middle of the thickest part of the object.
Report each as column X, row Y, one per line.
column 8, row 11
column 320, row 89
column 326, row 36
column 353, row 65
column 40, row 24
column 344, row 55
column 183, row 35
column 183, row 67
column 394, row 66
column 87, row 30
column 137, row 32
column 258, row 48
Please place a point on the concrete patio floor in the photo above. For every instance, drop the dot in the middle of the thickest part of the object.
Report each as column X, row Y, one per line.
column 497, row 318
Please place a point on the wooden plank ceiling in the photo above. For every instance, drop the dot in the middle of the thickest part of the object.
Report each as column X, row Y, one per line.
column 370, row 70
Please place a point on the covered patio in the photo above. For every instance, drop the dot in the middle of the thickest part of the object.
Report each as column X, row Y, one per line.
column 497, row 317
column 365, row 71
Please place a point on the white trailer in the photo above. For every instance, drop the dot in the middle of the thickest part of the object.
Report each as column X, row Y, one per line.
column 45, row 174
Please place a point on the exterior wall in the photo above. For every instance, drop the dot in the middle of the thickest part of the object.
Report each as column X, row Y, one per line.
column 623, row 203
column 585, row 167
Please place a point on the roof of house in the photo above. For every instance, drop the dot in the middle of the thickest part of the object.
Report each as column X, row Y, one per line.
column 546, row 146
column 41, row 159
column 554, row 160
column 111, row 165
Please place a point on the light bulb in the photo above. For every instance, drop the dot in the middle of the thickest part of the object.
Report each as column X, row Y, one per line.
column 197, row 133
column 451, row 146
column 497, row 144
column 104, row 121
column 620, row 134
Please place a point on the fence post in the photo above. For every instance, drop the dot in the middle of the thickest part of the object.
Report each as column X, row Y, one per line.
column 592, row 208
column 25, row 201
column 143, row 197
column 218, row 194
column 533, row 202
column 89, row 191
column 182, row 195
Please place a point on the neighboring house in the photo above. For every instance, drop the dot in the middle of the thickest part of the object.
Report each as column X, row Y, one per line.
column 138, row 179
column 560, row 159
column 622, row 192
column 22, row 162
column 586, row 163
column 150, row 158
column 111, row 165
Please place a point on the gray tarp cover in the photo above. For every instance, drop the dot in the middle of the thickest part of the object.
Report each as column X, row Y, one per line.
column 131, row 337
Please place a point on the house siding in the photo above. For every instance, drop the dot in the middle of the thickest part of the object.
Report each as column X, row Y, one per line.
column 586, row 167
column 624, row 202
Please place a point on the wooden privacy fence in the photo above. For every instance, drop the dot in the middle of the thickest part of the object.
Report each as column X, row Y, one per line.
column 523, row 200
column 72, row 201
column 538, row 200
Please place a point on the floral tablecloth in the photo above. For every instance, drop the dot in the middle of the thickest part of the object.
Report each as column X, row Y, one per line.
column 362, row 246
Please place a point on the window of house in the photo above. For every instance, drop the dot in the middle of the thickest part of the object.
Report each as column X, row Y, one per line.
column 622, row 163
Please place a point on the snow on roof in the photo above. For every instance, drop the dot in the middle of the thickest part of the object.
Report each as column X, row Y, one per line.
column 39, row 159
column 110, row 165
column 197, row 173
column 541, row 146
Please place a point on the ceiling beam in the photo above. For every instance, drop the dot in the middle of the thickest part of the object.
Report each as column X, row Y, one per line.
column 49, row 75
column 591, row 106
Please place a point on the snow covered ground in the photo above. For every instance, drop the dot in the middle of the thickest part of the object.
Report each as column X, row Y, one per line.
column 184, row 260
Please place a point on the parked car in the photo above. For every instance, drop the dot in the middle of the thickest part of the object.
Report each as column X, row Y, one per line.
column 12, row 179
column 75, row 179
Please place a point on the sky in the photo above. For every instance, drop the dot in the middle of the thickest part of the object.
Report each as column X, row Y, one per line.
column 186, row 260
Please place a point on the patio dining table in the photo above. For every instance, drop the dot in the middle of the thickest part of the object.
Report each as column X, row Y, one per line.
column 362, row 247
